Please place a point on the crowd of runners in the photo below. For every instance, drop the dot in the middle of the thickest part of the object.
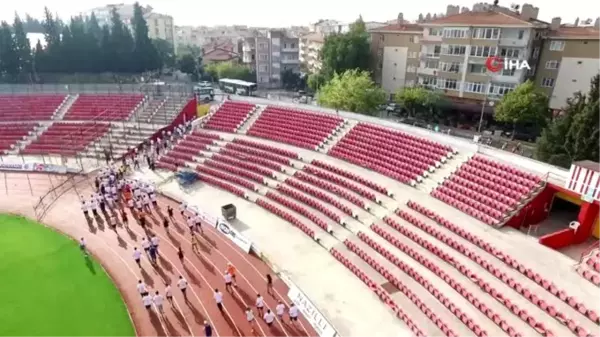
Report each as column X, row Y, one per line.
column 117, row 197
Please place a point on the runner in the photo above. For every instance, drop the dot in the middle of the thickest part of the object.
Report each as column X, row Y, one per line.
column 137, row 256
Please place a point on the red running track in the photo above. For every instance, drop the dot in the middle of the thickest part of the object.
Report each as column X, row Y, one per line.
column 204, row 271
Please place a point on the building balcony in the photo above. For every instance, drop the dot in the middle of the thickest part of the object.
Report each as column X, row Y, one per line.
column 424, row 56
column 431, row 39
column 290, row 50
column 511, row 42
column 287, row 61
column 427, row 71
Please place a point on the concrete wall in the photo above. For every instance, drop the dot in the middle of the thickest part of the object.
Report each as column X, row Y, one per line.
column 460, row 144
column 574, row 75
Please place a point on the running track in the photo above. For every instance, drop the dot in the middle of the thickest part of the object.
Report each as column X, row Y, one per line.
column 203, row 270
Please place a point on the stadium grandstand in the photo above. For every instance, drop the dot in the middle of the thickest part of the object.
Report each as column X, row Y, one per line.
column 374, row 227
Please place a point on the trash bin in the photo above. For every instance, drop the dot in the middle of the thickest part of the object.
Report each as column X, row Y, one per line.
column 228, row 211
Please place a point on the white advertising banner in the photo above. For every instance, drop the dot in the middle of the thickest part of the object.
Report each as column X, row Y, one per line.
column 310, row 312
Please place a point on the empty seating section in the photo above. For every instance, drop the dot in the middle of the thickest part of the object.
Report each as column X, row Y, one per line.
column 66, row 138
column 537, row 297
column 590, row 266
column 391, row 153
column 11, row 133
column 352, row 176
column 29, row 107
column 487, row 190
column 229, row 116
column 379, row 291
column 299, row 128
column 113, row 107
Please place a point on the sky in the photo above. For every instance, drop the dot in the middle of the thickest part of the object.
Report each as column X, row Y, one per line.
column 277, row 13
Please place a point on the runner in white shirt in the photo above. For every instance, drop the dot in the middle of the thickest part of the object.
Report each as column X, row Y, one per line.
column 269, row 317
column 293, row 313
column 183, row 207
column 138, row 205
column 280, row 309
column 260, row 304
column 182, row 284
column 169, row 294
column 219, row 299
column 158, row 300
column 147, row 300
column 113, row 191
column 137, row 193
column 155, row 241
column 153, row 199
column 110, row 201
column 137, row 256
column 198, row 223
column 94, row 205
column 146, row 245
column 85, row 208
column 228, row 282
column 250, row 318
column 141, row 288
column 146, row 202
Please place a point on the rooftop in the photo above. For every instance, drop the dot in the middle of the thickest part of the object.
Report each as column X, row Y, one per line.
column 483, row 18
column 396, row 27
column 313, row 37
column 575, row 33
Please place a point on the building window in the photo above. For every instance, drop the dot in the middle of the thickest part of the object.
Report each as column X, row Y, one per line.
column 552, row 65
column 536, row 53
column 431, row 64
column 501, row 88
column 412, row 55
column 263, row 68
column 557, row 45
column 531, row 71
column 293, row 45
column 508, row 72
column 451, row 67
column 547, row 82
column 454, row 50
column 483, row 51
column 521, row 34
column 262, row 46
column 455, row 33
column 475, row 87
column 509, row 52
column 382, row 37
column 477, row 68
column 448, row 84
column 435, row 32
column 486, row 33
column 262, row 57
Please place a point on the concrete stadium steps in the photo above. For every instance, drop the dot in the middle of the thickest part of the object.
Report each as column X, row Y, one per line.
column 122, row 136
column 468, row 309
column 65, row 106
column 159, row 109
column 243, row 129
column 338, row 135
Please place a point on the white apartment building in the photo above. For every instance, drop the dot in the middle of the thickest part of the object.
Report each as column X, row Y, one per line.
column 310, row 47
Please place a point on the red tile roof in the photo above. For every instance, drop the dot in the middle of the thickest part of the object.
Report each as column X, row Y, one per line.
column 575, row 33
column 408, row 27
column 219, row 54
column 487, row 18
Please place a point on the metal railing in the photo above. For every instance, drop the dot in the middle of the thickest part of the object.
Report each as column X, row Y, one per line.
column 46, row 201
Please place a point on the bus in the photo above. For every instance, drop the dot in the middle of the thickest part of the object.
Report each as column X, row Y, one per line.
column 237, row 87
column 204, row 92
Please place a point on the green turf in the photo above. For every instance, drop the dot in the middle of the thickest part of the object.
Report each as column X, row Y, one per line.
column 48, row 288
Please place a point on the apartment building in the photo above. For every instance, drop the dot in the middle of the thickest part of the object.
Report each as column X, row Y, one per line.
column 160, row 26
column 201, row 35
column 395, row 54
column 569, row 58
column 454, row 50
column 310, row 47
column 270, row 55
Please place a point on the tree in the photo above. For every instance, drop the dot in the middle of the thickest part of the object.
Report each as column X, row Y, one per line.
column 574, row 135
column 9, row 57
column 315, row 81
column 420, row 102
column 291, row 80
column 188, row 64
column 525, row 104
column 23, row 47
column 352, row 91
column 341, row 52
column 230, row 70
column 144, row 51
column 166, row 53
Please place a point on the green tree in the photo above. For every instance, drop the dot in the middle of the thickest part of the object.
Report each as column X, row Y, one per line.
column 341, row 52
column 352, row 91
column 230, row 70
column 9, row 57
column 525, row 104
column 420, row 102
column 144, row 51
column 121, row 45
column 315, row 81
column 291, row 80
column 23, row 47
column 166, row 53
column 574, row 135
column 188, row 64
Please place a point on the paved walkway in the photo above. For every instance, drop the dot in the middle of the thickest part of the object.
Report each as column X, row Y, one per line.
column 203, row 269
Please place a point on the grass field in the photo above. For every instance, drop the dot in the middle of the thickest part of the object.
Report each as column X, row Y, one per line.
column 48, row 288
